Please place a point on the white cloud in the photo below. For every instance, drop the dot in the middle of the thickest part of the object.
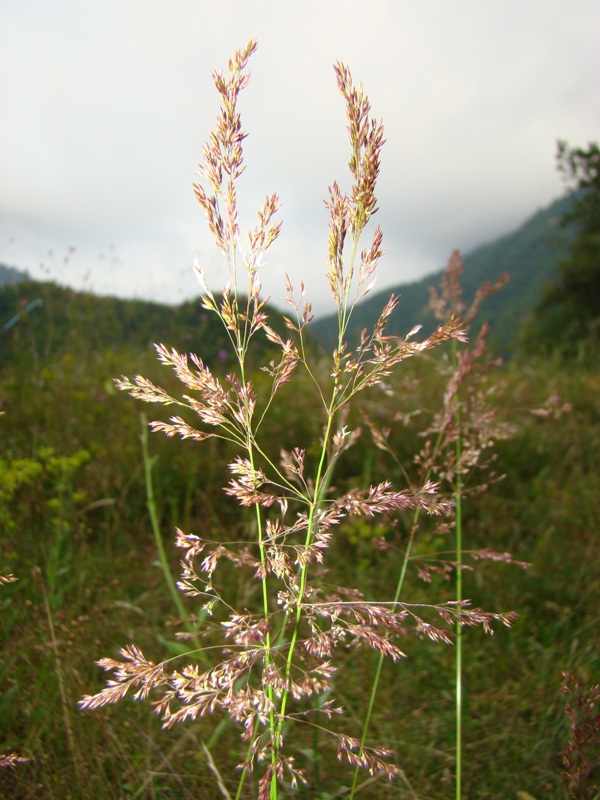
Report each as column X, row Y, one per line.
column 105, row 106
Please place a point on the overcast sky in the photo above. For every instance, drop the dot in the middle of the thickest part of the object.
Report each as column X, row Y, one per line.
column 105, row 106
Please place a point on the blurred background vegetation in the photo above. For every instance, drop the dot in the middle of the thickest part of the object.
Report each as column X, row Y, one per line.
column 75, row 531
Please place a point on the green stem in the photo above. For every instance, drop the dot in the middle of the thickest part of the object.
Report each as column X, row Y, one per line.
column 459, row 590
column 375, row 684
column 399, row 585
column 149, row 463
column 65, row 704
column 317, row 498
column 265, row 593
column 459, row 651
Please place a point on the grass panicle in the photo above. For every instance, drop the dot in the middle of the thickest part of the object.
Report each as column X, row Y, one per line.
column 276, row 665
column 343, row 522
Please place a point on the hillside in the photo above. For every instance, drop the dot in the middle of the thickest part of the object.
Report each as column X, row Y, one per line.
column 530, row 256
column 57, row 319
column 93, row 516
column 10, row 275
column 47, row 321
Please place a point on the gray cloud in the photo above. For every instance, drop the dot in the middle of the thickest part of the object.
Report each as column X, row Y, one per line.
column 106, row 105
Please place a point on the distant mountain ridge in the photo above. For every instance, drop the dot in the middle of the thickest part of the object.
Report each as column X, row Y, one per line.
column 10, row 275
column 64, row 321
column 530, row 256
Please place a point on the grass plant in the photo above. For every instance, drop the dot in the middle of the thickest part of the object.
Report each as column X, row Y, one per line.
column 514, row 723
column 276, row 665
column 305, row 609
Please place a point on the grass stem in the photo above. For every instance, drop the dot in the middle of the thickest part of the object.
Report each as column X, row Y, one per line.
column 459, row 590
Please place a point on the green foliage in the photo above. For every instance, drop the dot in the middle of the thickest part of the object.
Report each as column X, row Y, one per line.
column 14, row 475
column 51, row 479
column 544, row 512
column 66, row 321
column 567, row 320
column 582, row 167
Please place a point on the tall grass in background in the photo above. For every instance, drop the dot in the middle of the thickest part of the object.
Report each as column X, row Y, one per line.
column 84, row 513
column 275, row 669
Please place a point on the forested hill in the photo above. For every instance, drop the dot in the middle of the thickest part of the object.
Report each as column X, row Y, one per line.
column 11, row 275
column 56, row 319
column 48, row 321
column 529, row 255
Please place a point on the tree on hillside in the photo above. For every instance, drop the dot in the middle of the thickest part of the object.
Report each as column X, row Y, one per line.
column 569, row 312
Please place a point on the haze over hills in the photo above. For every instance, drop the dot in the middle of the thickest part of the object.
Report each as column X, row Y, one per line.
column 529, row 255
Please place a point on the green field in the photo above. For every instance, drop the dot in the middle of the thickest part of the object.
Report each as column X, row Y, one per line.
column 77, row 535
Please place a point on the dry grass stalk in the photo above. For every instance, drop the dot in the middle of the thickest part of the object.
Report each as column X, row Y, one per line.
column 10, row 759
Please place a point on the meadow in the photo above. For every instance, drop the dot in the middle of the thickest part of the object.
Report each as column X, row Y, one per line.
column 90, row 502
